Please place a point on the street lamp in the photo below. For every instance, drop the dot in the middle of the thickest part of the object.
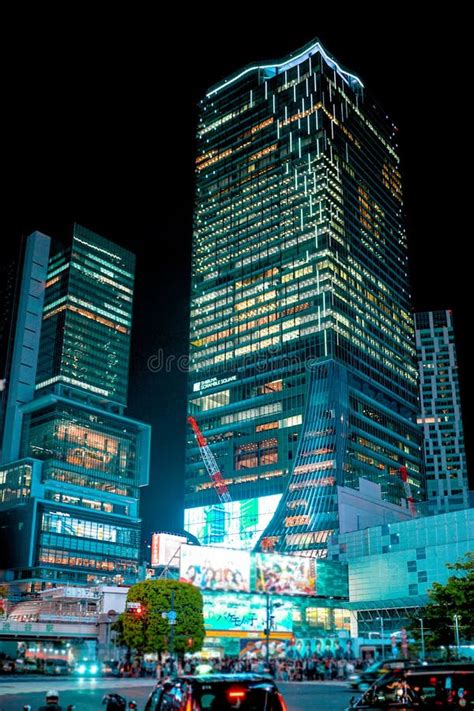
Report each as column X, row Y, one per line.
column 269, row 620
column 456, row 631
column 420, row 620
column 381, row 635
column 171, row 617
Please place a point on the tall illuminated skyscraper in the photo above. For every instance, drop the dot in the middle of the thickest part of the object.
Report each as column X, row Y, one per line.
column 303, row 373
column 85, row 338
column 72, row 463
column 441, row 415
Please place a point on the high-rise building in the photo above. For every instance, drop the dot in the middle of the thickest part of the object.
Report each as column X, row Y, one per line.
column 85, row 339
column 9, row 290
column 302, row 369
column 441, row 415
column 26, row 314
column 69, row 487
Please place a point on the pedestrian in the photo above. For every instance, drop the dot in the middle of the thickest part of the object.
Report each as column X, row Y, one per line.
column 52, row 702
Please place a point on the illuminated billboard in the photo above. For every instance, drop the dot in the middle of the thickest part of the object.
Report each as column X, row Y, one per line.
column 215, row 568
column 230, row 612
column 235, row 524
column 165, row 549
column 284, row 574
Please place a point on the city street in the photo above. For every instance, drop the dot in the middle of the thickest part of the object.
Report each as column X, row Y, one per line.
column 86, row 694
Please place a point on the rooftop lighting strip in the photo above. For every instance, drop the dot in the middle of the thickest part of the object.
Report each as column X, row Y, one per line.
column 289, row 63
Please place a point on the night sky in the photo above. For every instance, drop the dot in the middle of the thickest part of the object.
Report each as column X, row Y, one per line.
column 99, row 119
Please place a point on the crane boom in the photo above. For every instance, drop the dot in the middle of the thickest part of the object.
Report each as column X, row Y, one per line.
column 210, row 463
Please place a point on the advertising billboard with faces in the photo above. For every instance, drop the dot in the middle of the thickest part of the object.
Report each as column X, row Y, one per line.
column 212, row 568
column 285, row 574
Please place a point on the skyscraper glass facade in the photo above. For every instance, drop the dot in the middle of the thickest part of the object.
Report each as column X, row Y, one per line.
column 441, row 415
column 87, row 318
column 69, row 501
column 300, row 296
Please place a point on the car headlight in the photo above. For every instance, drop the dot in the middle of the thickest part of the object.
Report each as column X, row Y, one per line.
column 94, row 669
column 81, row 668
column 354, row 677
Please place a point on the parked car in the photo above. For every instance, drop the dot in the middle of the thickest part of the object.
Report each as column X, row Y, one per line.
column 364, row 679
column 111, row 668
column 56, row 667
column 26, row 666
column 217, row 692
column 7, row 666
column 432, row 687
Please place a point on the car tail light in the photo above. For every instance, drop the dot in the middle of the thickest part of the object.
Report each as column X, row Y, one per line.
column 284, row 707
column 236, row 694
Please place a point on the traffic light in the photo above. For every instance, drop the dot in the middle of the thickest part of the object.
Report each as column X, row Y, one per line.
column 136, row 609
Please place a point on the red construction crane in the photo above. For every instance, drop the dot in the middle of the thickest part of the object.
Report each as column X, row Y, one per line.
column 406, row 485
column 210, row 463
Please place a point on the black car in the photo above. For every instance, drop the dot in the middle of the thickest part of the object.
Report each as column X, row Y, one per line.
column 217, row 692
column 432, row 687
column 364, row 679
column 110, row 668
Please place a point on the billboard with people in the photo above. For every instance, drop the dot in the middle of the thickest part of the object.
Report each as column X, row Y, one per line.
column 231, row 570
column 284, row 574
column 215, row 568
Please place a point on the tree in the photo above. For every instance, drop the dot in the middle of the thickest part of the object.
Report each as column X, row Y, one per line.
column 3, row 597
column 456, row 597
column 145, row 629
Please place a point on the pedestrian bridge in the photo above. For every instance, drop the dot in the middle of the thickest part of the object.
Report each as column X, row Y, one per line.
column 10, row 629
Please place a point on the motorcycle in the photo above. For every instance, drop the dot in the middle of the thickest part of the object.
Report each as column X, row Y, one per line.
column 115, row 702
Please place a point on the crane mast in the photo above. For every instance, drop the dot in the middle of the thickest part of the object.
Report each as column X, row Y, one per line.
column 210, row 463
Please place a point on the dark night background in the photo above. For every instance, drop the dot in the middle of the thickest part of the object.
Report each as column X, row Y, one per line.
column 99, row 117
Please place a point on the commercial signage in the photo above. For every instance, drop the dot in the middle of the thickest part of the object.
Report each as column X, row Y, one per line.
column 243, row 613
column 300, row 648
column 233, row 524
column 284, row 574
column 212, row 383
column 215, row 568
column 165, row 549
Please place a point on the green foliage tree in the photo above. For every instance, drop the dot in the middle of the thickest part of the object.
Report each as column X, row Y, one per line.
column 3, row 597
column 456, row 597
column 148, row 631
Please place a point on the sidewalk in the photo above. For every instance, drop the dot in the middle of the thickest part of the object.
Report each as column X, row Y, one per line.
column 333, row 682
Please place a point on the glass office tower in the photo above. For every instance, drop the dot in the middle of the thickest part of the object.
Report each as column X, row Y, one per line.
column 441, row 415
column 303, row 369
column 69, row 490
column 85, row 339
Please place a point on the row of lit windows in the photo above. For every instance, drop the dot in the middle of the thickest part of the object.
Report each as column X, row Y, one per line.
column 63, row 558
column 87, row 545
column 90, row 482
column 65, row 524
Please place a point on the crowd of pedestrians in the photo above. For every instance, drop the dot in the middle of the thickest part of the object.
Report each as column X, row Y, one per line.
column 308, row 669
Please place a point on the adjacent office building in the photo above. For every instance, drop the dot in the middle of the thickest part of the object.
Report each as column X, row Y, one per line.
column 72, row 463
column 303, row 373
column 393, row 566
column 441, row 415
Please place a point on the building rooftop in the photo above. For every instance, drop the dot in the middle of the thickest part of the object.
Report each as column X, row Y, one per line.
column 277, row 66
